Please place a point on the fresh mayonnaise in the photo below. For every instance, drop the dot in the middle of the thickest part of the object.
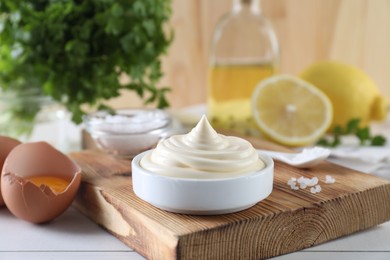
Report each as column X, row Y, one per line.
column 202, row 154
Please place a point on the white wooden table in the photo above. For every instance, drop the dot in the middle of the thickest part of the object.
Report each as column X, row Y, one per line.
column 73, row 236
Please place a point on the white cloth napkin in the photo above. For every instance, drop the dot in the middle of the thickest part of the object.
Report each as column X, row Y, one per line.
column 369, row 154
column 373, row 160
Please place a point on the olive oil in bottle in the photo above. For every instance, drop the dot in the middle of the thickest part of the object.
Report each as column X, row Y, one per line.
column 244, row 51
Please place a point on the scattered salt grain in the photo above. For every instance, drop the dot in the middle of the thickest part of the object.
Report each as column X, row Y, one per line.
column 302, row 180
column 303, row 183
column 307, row 181
column 292, row 181
column 294, row 187
column 315, row 189
column 329, row 179
column 313, row 182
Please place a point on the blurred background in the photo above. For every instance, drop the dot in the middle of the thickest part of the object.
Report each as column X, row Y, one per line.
column 351, row 31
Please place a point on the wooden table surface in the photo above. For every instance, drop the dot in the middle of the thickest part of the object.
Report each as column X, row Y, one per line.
column 73, row 236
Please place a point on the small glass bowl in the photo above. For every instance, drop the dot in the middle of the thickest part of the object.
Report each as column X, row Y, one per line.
column 129, row 132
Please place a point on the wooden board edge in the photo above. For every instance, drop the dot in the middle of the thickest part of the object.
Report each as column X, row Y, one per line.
column 107, row 212
column 261, row 238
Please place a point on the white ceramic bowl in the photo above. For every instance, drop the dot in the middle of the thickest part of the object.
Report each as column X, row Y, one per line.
column 202, row 196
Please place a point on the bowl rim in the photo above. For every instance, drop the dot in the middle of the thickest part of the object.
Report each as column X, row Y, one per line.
column 93, row 127
column 268, row 161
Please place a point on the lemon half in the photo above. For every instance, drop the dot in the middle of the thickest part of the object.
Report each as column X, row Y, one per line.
column 291, row 111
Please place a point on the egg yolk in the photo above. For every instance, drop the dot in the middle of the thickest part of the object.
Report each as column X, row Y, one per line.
column 55, row 183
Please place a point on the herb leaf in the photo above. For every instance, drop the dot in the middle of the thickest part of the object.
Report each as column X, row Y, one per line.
column 352, row 128
column 378, row 140
column 363, row 134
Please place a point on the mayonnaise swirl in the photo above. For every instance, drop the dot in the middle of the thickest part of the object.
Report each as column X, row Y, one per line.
column 202, row 154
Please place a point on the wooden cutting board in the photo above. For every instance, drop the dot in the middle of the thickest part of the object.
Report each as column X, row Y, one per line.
column 286, row 221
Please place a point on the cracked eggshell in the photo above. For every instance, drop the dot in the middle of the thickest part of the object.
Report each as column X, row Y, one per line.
column 38, row 204
column 6, row 145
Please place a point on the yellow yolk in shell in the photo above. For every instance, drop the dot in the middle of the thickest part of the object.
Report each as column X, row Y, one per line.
column 55, row 183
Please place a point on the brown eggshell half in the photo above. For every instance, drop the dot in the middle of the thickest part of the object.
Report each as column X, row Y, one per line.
column 6, row 145
column 26, row 200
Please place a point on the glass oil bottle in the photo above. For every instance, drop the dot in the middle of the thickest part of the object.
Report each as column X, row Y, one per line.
column 244, row 51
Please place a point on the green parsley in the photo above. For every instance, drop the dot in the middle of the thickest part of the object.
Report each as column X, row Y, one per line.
column 76, row 51
column 352, row 128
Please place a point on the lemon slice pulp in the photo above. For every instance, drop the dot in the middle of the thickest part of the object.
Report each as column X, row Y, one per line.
column 291, row 111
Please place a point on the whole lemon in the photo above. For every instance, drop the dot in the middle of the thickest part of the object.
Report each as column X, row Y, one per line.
column 352, row 92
